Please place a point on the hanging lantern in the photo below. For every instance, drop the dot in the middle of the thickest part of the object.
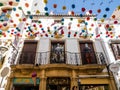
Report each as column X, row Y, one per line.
column 34, row 76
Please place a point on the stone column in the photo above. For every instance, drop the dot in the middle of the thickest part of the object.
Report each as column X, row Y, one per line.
column 9, row 85
column 73, row 79
column 42, row 81
column 113, row 85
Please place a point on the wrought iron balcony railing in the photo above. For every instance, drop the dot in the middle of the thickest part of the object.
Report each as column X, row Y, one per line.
column 62, row 57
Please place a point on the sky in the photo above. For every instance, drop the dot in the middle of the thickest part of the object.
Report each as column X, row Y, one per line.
column 93, row 5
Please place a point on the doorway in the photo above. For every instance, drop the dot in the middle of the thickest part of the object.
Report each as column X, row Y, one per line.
column 26, row 87
column 58, row 83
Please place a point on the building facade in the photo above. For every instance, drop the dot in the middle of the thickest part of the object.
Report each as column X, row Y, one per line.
column 59, row 52
column 60, row 64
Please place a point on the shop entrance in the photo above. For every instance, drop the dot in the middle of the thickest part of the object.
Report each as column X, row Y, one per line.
column 58, row 83
column 25, row 87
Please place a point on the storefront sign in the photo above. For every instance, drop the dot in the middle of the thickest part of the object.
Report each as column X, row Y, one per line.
column 25, row 81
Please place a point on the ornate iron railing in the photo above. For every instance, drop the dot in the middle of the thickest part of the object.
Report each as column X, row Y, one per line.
column 60, row 58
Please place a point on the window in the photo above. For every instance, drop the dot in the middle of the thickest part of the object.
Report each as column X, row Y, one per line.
column 28, row 52
column 116, row 50
column 87, row 53
column 3, row 16
column 57, row 52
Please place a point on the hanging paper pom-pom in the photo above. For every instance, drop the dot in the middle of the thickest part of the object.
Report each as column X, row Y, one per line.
column 17, row 0
column 71, row 19
column 107, row 26
column 80, row 21
column 1, row 4
column 24, row 19
column 86, row 23
column 46, row 8
column 62, row 19
column 14, row 9
column 26, row 5
column 107, row 9
column 83, row 9
column 88, row 18
column 73, row 6
column 54, row 5
column 17, row 15
column 20, row 8
column 64, row 7
column 78, row 25
column 10, row 3
column 99, row 10
column 39, row 21
column 28, row 12
column 115, row 22
column 105, row 15
column 47, row 14
column 90, row 11
column 118, row 7
column 81, row 15
column 45, row 1
column 31, row 17
column 72, row 13
column 40, row 25
column 37, row 12
column 102, row 20
column 92, row 25
column 95, row 19
column 113, row 16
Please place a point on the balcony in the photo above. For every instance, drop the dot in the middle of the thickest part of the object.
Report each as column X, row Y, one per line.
column 42, row 58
